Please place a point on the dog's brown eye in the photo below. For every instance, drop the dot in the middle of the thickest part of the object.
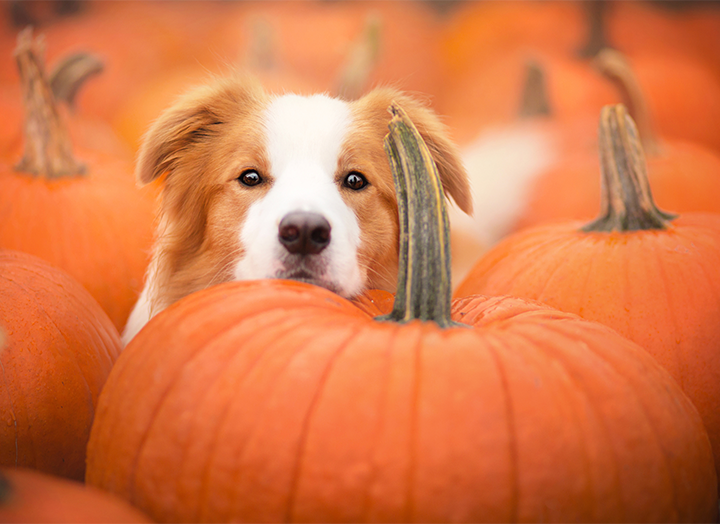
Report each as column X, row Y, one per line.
column 355, row 181
column 250, row 178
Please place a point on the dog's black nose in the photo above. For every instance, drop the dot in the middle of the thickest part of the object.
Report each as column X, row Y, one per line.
column 304, row 233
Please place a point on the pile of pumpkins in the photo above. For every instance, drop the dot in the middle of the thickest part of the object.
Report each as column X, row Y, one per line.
column 569, row 374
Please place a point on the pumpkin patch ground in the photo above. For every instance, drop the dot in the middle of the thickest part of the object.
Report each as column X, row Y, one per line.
column 553, row 357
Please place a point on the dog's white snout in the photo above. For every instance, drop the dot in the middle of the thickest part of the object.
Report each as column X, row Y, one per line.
column 304, row 232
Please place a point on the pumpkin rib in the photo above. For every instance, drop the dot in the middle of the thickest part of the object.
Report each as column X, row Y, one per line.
column 311, row 409
column 537, row 341
column 664, row 273
column 381, row 425
column 213, row 453
column 197, row 360
column 494, row 348
column 12, row 412
column 307, row 409
column 648, row 418
column 415, row 414
column 169, row 389
column 73, row 356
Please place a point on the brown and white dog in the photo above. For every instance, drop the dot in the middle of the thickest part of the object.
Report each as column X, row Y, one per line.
column 278, row 186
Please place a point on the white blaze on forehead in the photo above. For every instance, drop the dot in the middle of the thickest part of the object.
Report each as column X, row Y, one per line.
column 312, row 128
column 304, row 141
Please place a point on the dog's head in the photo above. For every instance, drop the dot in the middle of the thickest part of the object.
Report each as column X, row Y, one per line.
column 265, row 186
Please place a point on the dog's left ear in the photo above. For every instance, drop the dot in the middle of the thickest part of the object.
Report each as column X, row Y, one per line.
column 445, row 152
column 193, row 118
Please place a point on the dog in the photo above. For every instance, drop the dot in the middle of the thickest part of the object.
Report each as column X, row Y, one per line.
column 259, row 185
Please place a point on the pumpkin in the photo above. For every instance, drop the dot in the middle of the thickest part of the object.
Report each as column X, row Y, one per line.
column 59, row 350
column 637, row 269
column 81, row 213
column 31, row 496
column 280, row 401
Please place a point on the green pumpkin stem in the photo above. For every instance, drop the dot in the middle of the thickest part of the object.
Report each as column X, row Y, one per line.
column 48, row 150
column 627, row 203
column 424, row 289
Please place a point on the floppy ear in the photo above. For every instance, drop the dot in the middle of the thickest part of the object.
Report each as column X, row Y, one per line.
column 194, row 117
column 445, row 152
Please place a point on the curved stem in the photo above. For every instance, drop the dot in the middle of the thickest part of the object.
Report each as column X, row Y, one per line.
column 71, row 73
column 627, row 203
column 48, row 150
column 595, row 12
column 424, row 287
column 615, row 67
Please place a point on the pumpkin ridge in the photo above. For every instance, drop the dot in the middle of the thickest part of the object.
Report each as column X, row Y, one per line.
column 307, row 421
column 382, row 423
column 645, row 412
column 668, row 292
column 298, row 318
column 12, row 409
column 590, row 404
column 415, row 412
column 170, row 387
column 203, row 354
column 33, row 294
column 494, row 348
column 558, row 245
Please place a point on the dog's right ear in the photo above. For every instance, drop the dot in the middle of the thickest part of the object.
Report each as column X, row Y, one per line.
column 193, row 118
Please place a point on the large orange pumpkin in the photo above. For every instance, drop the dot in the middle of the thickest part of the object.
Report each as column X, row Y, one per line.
column 81, row 213
column 649, row 276
column 59, row 350
column 31, row 496
column 280, row 401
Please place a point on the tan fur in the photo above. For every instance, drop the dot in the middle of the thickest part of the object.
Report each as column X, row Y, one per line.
column 195, row 143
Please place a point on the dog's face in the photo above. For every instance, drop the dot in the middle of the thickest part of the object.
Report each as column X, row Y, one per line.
column 261, row 186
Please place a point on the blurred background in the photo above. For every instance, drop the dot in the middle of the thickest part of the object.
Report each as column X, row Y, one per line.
column 519, row 83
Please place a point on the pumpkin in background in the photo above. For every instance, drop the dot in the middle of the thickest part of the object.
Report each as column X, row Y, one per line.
column 317, row 39
column 81, row 213
column 683, row 175
column 280, row 401
column 60, row 346
column 31, row 496
column 639, row 270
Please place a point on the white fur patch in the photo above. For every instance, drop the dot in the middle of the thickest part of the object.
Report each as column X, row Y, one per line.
column 304, row 140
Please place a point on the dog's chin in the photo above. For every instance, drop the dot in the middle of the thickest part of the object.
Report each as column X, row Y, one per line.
column 303, row 275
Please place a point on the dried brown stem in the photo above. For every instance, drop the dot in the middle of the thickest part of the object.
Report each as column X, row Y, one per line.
column 48, row 150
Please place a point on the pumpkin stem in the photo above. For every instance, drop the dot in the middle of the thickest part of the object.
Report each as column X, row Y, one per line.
column 424, row 288
column 595, row 13
column 361, row 60
column 627, row 203
column 534, row 96
column 48, row 150
column 70, row 74
column 615, row 67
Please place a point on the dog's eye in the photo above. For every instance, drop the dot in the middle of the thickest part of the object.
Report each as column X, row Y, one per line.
column 250, row 178
column 355, row 180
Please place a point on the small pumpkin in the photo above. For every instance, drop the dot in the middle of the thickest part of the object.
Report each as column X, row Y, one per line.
column 281, row 401
column 60, row 346
column 31, row 496
column 81, row 213
column 649, row 275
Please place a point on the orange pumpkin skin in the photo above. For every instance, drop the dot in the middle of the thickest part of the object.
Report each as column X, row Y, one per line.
column 97, row 227
column 74, row 205
column 31, row 496
column 683, row 175
column 661, row 289
column 59, row 350
column 277, row 401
